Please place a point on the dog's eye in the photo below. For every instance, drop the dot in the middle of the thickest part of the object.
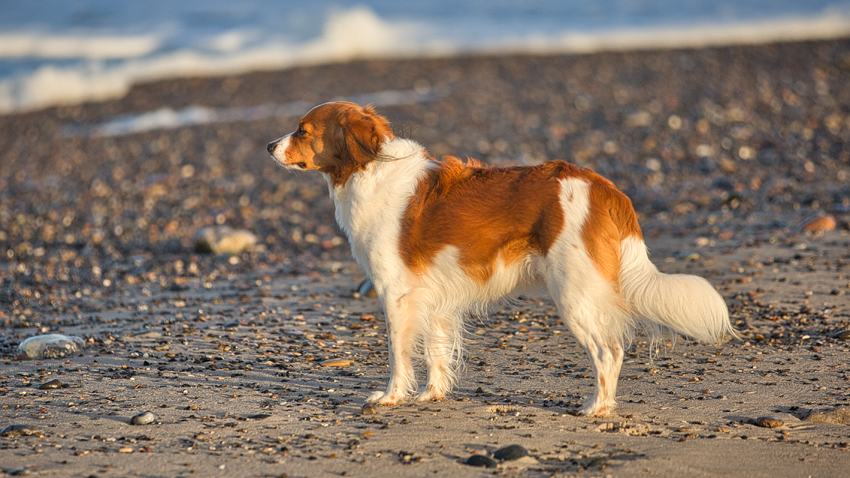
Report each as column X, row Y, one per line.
column 301, row 131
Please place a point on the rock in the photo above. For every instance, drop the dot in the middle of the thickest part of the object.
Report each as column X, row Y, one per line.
column 366, row 289
column 842, row 335
column 21, row 471
column 143, row 418
column 820, row 224
column 51, row 346
column 224, row 240
column 768, row 422
column 838, row 416
column 510, row 452
column 51, row 385
column 258, row 416
column 481, row 461
column 368, row 409
column 18, row 430
column 336, row 363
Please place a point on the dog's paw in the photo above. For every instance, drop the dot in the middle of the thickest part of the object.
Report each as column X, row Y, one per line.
column 596, row 410
column 429, row 393
column 382, row 398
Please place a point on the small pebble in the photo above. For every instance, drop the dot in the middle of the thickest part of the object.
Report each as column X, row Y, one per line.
column 480, row 460
column 368, row 409
column 258, row 416
column 336, row 363
column 842, row 335
column 19, row 471
column 821, row 224
column 510, row 452
column 143, row 418
column 224, row 240
column 18, row 430
column 51, row 385
column 767, row 422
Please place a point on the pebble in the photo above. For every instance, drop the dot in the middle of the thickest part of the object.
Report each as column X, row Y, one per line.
column 510, row 452
column 51, row 346
column 19, row 471
column 336, row 363
column 224, row 240
column 481, row 460
column 842, row 335
column 258, row 416
column 51, row 385
column 143, row 418
column 767, row 422
column 368, row 409
column 820, row 224
column 18, row 430
column 366, row 289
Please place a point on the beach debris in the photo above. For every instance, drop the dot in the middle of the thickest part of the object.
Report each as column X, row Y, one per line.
column 368, row 409
column 51, row 385
column 838, row 416
column 224, row 240
column 482, row 461
column 19, row 430
column 767, row 422
column 143, row 418
column 510, row 453
column 51, row 346
column 820, row 225
column 258, row 416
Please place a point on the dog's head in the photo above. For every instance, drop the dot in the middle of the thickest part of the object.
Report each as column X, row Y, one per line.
column 336, row 139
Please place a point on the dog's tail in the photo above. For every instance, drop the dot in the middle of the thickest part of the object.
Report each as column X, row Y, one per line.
column 686, row 304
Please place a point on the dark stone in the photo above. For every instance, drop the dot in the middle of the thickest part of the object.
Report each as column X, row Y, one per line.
column 51, row 385
column 481, row 461
column 510, row 452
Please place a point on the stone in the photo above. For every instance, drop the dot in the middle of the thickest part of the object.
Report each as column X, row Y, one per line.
column 143, row 418
column 18, row 430
column 838, row 416
column 482, row 461
column 336, row 363
column 510, row 452
column 820, row 225
column 224, row 240
column 842, row 335
column 368, row 409
column 51, row 385
column 51, row 346
column 768, row 422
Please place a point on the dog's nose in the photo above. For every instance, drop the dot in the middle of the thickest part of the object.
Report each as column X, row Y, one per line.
column 270, row 147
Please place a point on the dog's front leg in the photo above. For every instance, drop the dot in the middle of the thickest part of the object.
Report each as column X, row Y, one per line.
column 402, row 328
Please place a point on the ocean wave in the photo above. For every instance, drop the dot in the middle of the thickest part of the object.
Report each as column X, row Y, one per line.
column 104, row 67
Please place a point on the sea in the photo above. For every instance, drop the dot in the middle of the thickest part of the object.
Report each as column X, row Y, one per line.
column 59, row 52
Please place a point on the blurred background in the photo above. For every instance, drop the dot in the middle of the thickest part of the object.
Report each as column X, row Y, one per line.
column 58, row 52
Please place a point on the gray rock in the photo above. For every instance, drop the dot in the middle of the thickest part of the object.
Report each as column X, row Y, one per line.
column 768, row 422
column 842, row 335
column 51, row 346
column 143, row 418
column 369, row 409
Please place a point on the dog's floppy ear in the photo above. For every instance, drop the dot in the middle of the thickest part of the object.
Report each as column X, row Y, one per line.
column 362, row 133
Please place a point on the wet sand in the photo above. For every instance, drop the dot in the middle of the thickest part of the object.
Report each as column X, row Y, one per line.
column 726, row 153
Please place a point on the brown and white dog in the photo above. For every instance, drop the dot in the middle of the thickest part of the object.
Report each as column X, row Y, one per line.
column 442, row 238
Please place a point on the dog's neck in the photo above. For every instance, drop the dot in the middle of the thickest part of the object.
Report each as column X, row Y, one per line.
column 370, row 205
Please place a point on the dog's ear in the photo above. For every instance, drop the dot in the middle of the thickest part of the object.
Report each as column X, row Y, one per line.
column 363, row 131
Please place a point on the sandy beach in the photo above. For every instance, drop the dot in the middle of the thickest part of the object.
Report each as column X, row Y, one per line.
column 736, row 159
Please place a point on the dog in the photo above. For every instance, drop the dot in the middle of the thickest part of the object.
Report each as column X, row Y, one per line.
column 440, row 239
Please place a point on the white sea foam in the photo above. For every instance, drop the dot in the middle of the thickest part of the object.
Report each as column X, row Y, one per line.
column 38, row 70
